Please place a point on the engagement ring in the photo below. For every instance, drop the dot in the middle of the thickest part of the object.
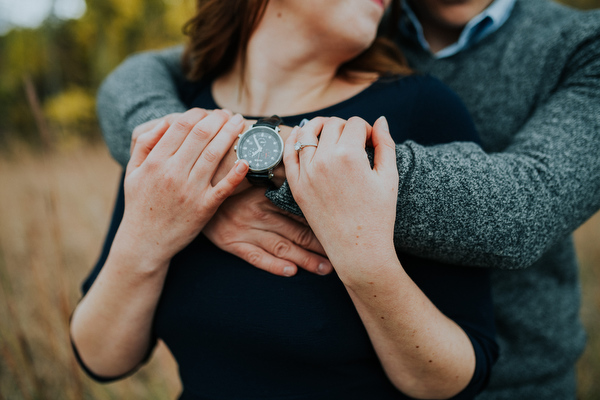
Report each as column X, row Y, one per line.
column 299, row 145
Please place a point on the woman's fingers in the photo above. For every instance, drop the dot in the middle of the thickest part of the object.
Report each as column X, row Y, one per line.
column 196, row 144
column 290, row 156
column 355, row 133
column 149, row 126
column 384, row 147
column 178, row 132
column 145, row 143
column 226, row 186
column 207, row 157
column 307, row 137
column 331, row 132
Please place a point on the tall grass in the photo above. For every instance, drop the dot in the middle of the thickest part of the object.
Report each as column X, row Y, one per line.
column 53, row 215
column 54, row 212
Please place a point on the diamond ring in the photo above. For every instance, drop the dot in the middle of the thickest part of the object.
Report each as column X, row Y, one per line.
column 299, row 145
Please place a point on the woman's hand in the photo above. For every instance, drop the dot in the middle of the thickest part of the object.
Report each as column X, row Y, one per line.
column 349, row 205
column 351, row 208
column 169, row 196
column 249, row 226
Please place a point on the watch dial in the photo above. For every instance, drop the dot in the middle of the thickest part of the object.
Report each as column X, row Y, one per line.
column 261, row 147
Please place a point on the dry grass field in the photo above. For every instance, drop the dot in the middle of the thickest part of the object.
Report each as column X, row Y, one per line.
column 54, row 212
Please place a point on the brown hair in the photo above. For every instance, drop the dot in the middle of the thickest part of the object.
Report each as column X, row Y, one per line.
column 221, row 29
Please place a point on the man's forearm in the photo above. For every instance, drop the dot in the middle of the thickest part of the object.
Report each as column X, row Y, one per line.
column 139, row 90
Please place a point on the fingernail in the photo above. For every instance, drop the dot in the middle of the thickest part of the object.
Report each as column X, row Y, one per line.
column 384, row 123
column 289, row 271
column 303, row 122
column 237, row 119
column 324, row 269
column 240, row 167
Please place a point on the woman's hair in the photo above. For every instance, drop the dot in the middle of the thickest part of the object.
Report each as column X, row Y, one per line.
column 221, row 29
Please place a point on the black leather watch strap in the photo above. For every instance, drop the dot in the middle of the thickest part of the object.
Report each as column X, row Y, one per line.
column 260, row 178
column 273, row 121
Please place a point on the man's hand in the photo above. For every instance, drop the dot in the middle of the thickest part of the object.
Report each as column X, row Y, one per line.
column 249, row 226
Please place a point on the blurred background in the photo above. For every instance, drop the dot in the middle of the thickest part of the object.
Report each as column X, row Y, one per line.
column 57, row 185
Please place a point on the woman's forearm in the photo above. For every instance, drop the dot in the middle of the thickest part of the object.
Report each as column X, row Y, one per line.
column 424, row 353
column 169, row 198
column 111, row 327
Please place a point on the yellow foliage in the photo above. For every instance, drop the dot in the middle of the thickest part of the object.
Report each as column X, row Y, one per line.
column 71, row 107
column 129, row 9
column 178, row 12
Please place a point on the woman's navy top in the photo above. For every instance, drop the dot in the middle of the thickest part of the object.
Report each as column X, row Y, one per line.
column 238, row 332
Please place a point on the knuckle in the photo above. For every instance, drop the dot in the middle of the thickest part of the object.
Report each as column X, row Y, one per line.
column 183, row 125
column 225, row 237
column 281, row 248
column 143, row 139
column 220, row 113
column 344, row 154
column 259, row 214
column 169, row 181
column 137, row 132
column 320, row 163
column 220, row 194
column 357, row 120
column 335, row 121
column 308, row 262
column 209, row 155
column 253, row 257
column 196, row 114
column 200, row 133
column 304, row 238
column 152, row 163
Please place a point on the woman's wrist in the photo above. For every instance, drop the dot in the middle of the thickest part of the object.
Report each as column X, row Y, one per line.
column 137, row 254
column 365, row 269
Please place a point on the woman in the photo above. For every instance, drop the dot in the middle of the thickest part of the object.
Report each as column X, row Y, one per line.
column 377, row 328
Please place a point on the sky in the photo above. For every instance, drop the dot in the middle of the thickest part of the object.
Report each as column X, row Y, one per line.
column 31, row 13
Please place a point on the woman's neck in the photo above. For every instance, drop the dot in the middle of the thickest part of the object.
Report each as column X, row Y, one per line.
column 285, row 74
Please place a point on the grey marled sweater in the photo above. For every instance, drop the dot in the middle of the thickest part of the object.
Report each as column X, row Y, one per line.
column 533, row 88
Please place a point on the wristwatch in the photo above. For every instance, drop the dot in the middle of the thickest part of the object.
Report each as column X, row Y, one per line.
column 262, row 147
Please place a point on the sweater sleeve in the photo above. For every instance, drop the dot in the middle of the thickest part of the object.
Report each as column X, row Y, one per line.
column 458, row 204
column 507, row 209
column 142, row 88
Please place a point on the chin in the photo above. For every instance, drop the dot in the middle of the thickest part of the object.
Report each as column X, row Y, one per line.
column 458, row 13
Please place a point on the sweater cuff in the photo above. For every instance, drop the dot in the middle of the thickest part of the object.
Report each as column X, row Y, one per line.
column 283, row 198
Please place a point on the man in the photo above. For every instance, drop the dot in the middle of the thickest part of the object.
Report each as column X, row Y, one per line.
column 529, row 72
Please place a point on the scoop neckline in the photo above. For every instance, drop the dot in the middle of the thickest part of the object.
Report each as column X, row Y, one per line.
column 311, row 114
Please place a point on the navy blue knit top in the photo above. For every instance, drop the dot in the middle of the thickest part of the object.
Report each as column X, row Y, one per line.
column 238, row 332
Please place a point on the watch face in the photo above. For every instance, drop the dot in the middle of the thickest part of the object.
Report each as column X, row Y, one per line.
column 262, row 147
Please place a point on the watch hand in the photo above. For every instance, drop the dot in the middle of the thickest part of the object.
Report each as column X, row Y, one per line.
column 256, row 141
column 256, row 152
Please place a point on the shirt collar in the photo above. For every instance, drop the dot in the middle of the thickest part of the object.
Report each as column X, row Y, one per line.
column 482, row 25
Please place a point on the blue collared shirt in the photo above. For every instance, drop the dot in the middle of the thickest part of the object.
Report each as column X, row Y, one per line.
column 482, row 25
